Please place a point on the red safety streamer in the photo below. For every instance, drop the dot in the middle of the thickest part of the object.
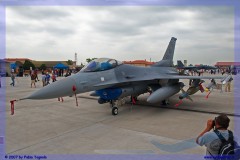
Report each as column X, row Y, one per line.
column 208, row 95
column 180, row 102
column 74, row 90
column 12, row 106
column 133, row 100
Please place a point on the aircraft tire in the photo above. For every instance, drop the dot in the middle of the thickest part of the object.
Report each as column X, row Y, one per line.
column 114, row 111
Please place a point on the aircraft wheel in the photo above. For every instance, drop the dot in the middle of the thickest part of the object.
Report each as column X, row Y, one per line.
column 114, row 111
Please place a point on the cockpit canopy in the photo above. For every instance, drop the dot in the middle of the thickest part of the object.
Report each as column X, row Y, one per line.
column 101, row 64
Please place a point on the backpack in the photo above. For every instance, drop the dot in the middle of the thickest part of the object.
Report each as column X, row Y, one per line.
column 228, row 147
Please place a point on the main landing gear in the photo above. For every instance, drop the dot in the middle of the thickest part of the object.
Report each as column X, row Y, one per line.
column 114, row 108
column 114, row 111
column 165, row 102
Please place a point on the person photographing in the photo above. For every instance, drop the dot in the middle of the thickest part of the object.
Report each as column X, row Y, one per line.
column 220, row 143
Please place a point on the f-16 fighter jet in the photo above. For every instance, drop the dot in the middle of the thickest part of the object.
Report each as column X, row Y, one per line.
column 111, row 80
column 180, row 65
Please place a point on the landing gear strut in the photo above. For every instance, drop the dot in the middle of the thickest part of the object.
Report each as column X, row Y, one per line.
column 165, row 102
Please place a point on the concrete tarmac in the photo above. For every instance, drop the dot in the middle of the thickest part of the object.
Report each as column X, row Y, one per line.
column 53, row 127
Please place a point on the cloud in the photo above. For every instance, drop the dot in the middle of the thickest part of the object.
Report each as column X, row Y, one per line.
column 28, row 20
column 121, row 32
column 39, row 12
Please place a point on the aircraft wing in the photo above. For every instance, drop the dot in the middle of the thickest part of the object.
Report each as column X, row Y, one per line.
column 191, row 77
column 153, row 77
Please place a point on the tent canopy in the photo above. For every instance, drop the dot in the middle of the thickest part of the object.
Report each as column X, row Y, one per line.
column 13, row 65
column 60, row 66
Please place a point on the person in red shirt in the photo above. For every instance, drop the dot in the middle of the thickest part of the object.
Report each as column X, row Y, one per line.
column 53, row 77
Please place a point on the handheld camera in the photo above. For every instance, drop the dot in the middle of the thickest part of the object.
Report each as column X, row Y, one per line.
column 214, row 122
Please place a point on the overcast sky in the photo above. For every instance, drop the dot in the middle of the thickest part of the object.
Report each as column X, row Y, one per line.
column 205, row 34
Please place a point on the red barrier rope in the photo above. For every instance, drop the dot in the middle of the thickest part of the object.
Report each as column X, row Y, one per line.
column 12, row 106
column 180, row 102
column 133, row 100
column 76, row 99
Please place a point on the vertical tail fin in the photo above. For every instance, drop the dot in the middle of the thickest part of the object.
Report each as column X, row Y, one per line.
column 180, row 64
column 170, row 49
column 167, row 60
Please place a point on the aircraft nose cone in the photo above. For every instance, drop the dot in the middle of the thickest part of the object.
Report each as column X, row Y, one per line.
column 61, row 88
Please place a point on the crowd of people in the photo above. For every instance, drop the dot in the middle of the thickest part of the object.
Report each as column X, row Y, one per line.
column 195, row 72
column 46, row 77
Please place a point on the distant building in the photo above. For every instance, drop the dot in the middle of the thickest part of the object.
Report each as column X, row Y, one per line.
column 234, row 66
column 185, row 63
column 13, row 60
column 227, row 64
column 37, row 64
column 49, row 64
column 143, row 63
column 5, row 69
column 17, row 64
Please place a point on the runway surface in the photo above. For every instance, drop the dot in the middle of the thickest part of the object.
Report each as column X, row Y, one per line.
column 53, row 127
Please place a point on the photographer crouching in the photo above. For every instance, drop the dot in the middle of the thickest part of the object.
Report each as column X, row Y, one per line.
column 220, row 143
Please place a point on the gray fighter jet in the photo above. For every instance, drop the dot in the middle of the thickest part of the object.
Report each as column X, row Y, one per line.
column 111, row 80
column 180, row 65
